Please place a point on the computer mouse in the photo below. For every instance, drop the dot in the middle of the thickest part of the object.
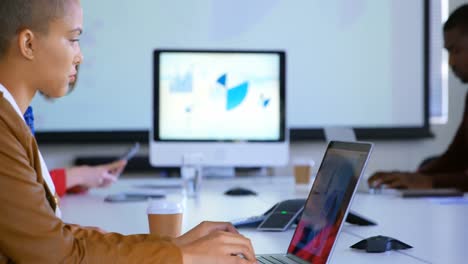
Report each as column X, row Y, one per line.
column 378, row 244
column 238, row 191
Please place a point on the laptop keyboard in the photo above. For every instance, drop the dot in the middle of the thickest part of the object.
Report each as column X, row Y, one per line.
column 275, row 260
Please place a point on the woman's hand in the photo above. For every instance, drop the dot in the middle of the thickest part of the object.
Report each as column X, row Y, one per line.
column 203, row 229
column 215, row 242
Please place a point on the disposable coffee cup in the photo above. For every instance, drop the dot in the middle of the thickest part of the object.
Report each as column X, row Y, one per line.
column 303, row 170
column 165, row 218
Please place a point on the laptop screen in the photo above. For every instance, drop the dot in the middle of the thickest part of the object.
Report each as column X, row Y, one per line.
column 328, row 201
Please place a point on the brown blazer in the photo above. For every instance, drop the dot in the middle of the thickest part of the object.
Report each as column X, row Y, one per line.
column 29, row 230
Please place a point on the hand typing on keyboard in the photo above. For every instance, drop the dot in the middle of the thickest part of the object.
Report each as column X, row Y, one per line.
column 215, row 242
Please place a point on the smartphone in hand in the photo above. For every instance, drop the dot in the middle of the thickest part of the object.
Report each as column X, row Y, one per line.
column 131, row 152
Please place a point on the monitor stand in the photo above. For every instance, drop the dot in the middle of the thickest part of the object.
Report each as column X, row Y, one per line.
column 219, row 172
column 231, row 172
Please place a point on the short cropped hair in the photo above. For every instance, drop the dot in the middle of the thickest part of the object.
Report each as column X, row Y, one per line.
column 16, row 15
column 458, row 19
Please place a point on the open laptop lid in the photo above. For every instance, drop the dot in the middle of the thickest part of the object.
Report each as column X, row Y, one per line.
column 329, row 200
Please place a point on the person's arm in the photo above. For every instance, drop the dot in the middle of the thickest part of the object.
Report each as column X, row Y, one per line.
column 449, row 170
column 457, row 180
column 454, row 158
column 31, row 233
column 451, row 159
column 62, row 185
column 94, row 176
column 79, row 179
column 60, row 181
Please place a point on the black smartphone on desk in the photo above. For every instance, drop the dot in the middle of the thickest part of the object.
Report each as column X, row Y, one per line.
column 131, row 197
column 417, row 193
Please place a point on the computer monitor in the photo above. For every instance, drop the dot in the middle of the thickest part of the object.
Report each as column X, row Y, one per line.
column 228, row 106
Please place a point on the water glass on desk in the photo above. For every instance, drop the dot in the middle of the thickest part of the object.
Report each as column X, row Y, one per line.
column 191, row 172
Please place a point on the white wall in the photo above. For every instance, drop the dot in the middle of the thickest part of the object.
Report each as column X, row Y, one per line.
column 388, row 155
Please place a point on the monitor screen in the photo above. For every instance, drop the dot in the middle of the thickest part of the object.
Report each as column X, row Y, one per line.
column 221, row 104
column 218, row 96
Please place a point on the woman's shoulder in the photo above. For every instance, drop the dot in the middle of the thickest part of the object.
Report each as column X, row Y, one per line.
column 12, row 125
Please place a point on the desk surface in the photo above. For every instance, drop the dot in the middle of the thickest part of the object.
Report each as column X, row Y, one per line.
column 437, row 232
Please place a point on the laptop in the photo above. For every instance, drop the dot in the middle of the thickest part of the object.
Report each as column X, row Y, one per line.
column 327, row 205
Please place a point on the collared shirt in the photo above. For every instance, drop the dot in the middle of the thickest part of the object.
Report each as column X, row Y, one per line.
column 45, row 172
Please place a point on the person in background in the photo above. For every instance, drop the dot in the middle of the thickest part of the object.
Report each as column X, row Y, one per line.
column 39, row 51
column 78, row 179
column 450, row 170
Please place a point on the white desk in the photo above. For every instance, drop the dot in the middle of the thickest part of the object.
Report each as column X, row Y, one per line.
column 429, row 227
column 438, row 233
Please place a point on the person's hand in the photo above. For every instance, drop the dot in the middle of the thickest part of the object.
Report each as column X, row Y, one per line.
column 95, row 176
column 204, row 229
column 400, row 180
column 215, row 242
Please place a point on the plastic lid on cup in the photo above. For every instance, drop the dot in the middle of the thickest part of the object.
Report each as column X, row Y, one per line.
column 164, row 207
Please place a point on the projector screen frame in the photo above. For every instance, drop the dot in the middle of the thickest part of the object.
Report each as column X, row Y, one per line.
column 295, row 134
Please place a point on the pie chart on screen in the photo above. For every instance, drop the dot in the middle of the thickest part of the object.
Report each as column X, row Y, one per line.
column 234, row 95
